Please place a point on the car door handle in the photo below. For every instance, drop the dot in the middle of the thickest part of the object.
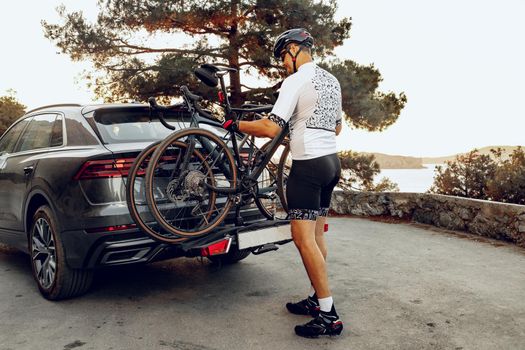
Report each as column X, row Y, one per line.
column 28, row 169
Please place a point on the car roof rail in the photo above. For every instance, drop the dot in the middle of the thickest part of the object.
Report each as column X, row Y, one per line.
column 55, row 105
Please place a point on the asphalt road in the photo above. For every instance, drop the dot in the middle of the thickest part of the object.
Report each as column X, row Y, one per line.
column 396, row 286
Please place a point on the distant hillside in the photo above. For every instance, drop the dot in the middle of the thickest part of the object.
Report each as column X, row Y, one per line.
column 387, row 161
column 485, row 150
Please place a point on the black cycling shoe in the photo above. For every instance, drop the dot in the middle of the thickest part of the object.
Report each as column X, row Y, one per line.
column 308, row 306
column 327, row 323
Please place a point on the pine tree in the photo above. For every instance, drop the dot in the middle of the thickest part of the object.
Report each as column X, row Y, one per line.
column 236, row 33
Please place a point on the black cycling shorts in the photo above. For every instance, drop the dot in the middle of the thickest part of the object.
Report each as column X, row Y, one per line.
column 310, row 185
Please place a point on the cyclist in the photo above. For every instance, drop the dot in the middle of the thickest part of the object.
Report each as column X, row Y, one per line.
column 310, row 102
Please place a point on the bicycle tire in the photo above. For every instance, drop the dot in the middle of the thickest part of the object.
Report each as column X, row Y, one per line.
column 184, row 189
column 283, row 171
column 152, row 229
column 271, row 209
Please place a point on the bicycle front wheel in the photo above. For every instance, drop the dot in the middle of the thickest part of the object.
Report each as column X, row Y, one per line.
column 270, row 198
column 182, row 182
column 283, row 171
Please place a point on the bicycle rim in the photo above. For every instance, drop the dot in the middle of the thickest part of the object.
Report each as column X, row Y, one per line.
column 283, row 171
column 269, row 197
column 176, row 182
column 136, row 198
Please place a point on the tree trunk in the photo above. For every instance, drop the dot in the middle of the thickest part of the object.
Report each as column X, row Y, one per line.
column 235, row 77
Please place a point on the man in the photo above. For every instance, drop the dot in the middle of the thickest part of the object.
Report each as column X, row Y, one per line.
column 310, row 101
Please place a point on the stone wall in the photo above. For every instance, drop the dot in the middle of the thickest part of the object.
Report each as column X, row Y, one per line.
column 490, row 219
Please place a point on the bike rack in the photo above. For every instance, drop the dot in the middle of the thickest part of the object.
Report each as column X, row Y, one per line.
column 222, row 232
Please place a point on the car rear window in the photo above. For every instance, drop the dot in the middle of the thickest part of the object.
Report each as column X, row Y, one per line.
column 135, row 125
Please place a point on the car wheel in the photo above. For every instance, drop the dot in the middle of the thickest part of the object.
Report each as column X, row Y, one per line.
column 233, row 256
column 54, row 278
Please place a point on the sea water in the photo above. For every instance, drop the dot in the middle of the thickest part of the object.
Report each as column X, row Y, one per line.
column 410, row 180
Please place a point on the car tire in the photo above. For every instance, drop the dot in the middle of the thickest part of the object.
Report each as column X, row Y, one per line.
column 233, row 256
column 55, row 279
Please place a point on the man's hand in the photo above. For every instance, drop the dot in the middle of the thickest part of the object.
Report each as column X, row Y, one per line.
column 230, row 125
column 338, row 129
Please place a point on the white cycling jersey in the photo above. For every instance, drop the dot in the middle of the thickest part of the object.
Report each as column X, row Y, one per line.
column 310, row 101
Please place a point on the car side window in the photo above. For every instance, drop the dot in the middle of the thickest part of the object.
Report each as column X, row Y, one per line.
column 8, row 141
column 38, row 133
column 57, row 137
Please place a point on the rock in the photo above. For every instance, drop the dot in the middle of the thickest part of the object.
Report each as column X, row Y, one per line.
column 464, row 213
column 423, row 216
column 450, row 221
column 444, row 219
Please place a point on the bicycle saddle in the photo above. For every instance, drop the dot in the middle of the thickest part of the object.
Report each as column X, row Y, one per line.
column 207, row 76
column 207, row 73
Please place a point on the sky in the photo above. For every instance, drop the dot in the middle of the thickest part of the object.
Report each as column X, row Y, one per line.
column 460, row 63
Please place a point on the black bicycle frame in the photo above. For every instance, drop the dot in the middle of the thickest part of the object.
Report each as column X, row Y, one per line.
column 196, row 118
column 268, row 154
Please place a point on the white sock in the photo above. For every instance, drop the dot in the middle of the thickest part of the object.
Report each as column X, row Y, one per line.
column 312, row 291
column 326, row 304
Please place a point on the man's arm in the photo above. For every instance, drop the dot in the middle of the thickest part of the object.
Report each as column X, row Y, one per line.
column 281, row 113
column 338, row 129
column 260, row 128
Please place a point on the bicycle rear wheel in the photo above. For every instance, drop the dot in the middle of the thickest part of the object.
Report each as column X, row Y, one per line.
column 269, row 197
column 181, row 182
column 136, row 198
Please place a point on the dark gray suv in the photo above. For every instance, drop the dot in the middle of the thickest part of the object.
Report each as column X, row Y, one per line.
column 62, row 194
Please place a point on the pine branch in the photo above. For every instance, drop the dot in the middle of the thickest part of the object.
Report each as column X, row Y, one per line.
column 141, row 49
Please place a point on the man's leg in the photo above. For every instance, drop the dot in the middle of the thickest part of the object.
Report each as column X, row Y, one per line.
column 308, row 199
column 327, row 322
column 310, row 305
column 319, row 235
column 303, row 234
column 319, row 240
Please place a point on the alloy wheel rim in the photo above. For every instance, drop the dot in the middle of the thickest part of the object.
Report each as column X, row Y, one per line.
column 43, row 253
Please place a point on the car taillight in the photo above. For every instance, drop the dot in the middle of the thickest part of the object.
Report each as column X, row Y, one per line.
column 142, row 170
column 221, row 247
column 96, row 169
column 111, row 228
column 325, row 227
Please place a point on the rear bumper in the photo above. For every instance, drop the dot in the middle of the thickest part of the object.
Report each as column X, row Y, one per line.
column 89, row 250
column 98, row 249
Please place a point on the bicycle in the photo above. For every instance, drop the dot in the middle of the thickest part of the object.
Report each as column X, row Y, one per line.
column 164, row 189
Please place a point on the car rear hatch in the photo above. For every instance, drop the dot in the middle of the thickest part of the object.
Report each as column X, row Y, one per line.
column 125, row 132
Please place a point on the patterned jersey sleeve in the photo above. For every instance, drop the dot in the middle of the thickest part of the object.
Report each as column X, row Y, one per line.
column 285, row 105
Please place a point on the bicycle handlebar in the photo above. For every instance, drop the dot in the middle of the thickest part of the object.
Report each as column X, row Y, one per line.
column 154, row 105
column 189, row 94
column 193, row 99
